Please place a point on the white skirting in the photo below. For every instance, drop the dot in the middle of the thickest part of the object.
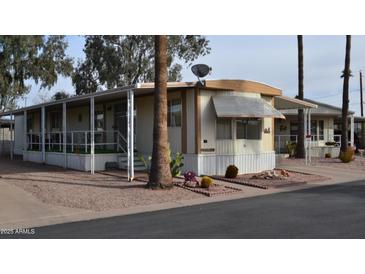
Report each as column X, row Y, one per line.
column 211, row 164
column 74, row 161
column 321, row 151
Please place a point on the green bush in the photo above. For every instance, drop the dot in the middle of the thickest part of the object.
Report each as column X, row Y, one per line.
column 330, row 143
column 206, row 182
column 231, row 171
column 348, row 155
column 176, row 163
column 292, row 149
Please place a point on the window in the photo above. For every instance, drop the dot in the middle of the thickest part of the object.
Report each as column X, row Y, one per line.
column 174, row 113
column 224, row 129
column 30, row 122
column 99, row 120
column 293, row 131
column 56, row 120
column 314, row 130
column 241, row 129
column 317, row 130
column 248, row 129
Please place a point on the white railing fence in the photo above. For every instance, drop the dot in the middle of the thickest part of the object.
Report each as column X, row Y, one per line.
column 78, row 141
column 281, row 142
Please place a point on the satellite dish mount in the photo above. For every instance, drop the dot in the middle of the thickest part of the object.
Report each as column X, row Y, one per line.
column 200, row 71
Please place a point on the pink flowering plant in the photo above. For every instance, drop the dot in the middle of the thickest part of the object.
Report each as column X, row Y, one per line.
column 190, row 177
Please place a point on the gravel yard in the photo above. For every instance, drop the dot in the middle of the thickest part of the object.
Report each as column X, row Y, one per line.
column 76, row 189
column 294, row 179
column 358, row 163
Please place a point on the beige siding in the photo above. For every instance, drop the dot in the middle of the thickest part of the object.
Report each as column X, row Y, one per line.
column 190, row 115
column 73, row 123
column 208, row 129
column 144, row 126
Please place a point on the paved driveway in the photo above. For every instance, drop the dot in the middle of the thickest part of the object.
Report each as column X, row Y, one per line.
column 336, row 211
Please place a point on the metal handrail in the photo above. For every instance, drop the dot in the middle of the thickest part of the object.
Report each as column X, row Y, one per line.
column 55, row 138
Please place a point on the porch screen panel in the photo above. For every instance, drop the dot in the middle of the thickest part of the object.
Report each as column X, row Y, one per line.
column 224, row 129
column 321, row 130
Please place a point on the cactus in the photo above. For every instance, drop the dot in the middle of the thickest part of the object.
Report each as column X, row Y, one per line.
column 231, row 171
column 348, row 155
column 206, row 182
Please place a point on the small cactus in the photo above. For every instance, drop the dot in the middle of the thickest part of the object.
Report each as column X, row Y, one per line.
column 206, row 182
column 231, row 171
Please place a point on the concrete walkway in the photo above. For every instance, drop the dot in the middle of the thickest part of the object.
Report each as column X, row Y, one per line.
column 19, row 209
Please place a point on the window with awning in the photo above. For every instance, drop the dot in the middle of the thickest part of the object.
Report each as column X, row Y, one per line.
column 244, row 107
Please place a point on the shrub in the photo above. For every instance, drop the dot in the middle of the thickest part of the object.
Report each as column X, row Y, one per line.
column 292, row 149
column 328, row 155
column 330, row 143
column 231, row 171
column 206, row 182
column 176, row 164
column 146, row 162
column 348, row 155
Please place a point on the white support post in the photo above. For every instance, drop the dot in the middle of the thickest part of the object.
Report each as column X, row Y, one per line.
column 72, row 141
column 43, row 129
column 130, row 135
column 132, row 132
column 64, row 133
column 92, row 135
column 309, row 133
column 2, row 139
column 85, row 141
column 305, row 136
column 11, row 137
column 25, row 140
column 352, row 130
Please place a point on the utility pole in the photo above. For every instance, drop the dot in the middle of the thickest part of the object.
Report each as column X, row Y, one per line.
column 361, row 101
column 362, row 114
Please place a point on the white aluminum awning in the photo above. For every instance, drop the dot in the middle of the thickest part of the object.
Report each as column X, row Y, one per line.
column 244, row 107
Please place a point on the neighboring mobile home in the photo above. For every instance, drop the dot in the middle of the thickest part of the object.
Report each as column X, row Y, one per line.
column 214, row 124
column 5, row 136
column 325, row 129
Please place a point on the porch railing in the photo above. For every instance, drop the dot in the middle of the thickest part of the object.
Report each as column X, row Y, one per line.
column 78, row 141
column 281, row 141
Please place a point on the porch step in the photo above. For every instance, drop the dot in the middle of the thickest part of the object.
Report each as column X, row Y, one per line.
column 138, row 164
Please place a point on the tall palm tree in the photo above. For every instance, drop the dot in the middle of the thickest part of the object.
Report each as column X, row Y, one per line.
column 160, row 175
column 300, row 145
column 345, row 96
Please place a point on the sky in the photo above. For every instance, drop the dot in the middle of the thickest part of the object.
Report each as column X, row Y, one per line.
column 269, row 59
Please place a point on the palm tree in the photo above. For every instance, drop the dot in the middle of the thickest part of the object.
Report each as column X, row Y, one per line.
column 300, row 145
column 160, row 174
column 345, row 96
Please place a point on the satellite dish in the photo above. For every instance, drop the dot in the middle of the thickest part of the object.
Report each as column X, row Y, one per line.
column 201, row 70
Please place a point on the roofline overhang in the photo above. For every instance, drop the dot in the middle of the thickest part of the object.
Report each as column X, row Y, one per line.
column 73, row 99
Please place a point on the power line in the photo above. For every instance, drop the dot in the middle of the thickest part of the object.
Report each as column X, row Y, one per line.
column 334, row 94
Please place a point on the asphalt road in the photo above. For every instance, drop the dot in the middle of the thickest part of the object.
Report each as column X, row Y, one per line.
column 336, row 211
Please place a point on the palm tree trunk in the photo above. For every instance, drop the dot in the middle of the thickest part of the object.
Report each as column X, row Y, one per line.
column 160, row 175
column 345, row 96
column 300, row 145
